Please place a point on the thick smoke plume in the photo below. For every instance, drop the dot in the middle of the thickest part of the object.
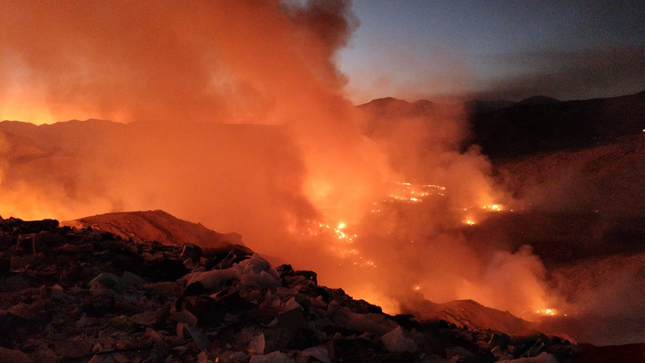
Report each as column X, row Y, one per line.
column 218, row 61
column 299, row 155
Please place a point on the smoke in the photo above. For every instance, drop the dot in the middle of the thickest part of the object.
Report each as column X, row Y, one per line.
column 242, row 124
column 220, row 61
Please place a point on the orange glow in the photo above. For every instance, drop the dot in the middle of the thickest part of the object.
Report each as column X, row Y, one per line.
column 241, row 123
column 408, row 192
column 547, row 312
column 494, row 207
column 26, row 113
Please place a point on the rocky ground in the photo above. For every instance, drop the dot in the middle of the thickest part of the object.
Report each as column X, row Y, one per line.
column 85, row 295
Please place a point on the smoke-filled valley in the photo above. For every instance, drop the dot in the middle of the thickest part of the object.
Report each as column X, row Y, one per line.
column 235, row 115
column 462, row 237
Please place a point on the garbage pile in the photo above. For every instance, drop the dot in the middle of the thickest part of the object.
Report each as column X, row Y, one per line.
column 85, row 295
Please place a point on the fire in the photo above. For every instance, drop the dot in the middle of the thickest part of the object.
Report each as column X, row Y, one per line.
column 408, row 192
column 547, row 312
column 341, row 241
column 494, row 207
column 26, row 111
column 401, row 192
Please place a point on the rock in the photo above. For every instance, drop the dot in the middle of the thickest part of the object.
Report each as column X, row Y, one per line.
column 198, row 337
column 185, row 317
column 86, row 321
column 47, row 225
column 163, row 290
column 120, row 358
column 166, row 269
column 98, row 289
column 26, row 243
column 18, row 262
column 192, row 252
column 459, row 352
column 499, row 340
column 287, row 271
column 530, row 344
column 108, row 280
column 58, row 293
column 202, row 357
column 74, row 349
column 225, row 257
column 255, row 264
column 149, row 302
column 357, row 350
column 372, row 323
column 273, row 357
column 14, row 356
column 320, row 353
column 256, row 345
column 17, row 283
column 542, row 358
column 122, row 323
column 45, row 242
column 293, row 319
column 153, row 318
column 395, row 341
column 214, row 280
column 102, row 359
column 130, row 279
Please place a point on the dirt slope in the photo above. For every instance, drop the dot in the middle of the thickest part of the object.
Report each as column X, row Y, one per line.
column 156, row 226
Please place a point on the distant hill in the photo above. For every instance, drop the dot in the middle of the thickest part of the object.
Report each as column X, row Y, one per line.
column 383, row 113
column 470, row 314
column 506, row 129
column 538, row 100
column 541, row 124
column 479, row 106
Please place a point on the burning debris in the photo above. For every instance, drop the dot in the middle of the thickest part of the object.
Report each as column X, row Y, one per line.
column 84, row 295
column 408, row 192
column 547, row 312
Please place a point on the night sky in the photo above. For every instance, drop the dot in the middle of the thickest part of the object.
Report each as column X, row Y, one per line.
column 203, row 59
column 495, row 49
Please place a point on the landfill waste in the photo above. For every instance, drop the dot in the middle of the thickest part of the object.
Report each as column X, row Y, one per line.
column 86, row 295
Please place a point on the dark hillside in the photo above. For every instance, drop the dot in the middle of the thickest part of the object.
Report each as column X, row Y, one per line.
column 535, row 128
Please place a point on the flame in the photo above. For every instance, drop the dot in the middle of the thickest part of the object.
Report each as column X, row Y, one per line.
column 547, row 312
column 408, row 192
column 494, row 207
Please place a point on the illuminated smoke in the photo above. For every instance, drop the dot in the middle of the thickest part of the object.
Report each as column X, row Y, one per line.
column 310, row 159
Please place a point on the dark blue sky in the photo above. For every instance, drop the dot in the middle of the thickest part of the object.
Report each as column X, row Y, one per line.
column 495, row 49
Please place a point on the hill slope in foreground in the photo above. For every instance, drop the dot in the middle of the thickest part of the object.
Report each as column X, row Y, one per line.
column 86, row 295
column 157, row 226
